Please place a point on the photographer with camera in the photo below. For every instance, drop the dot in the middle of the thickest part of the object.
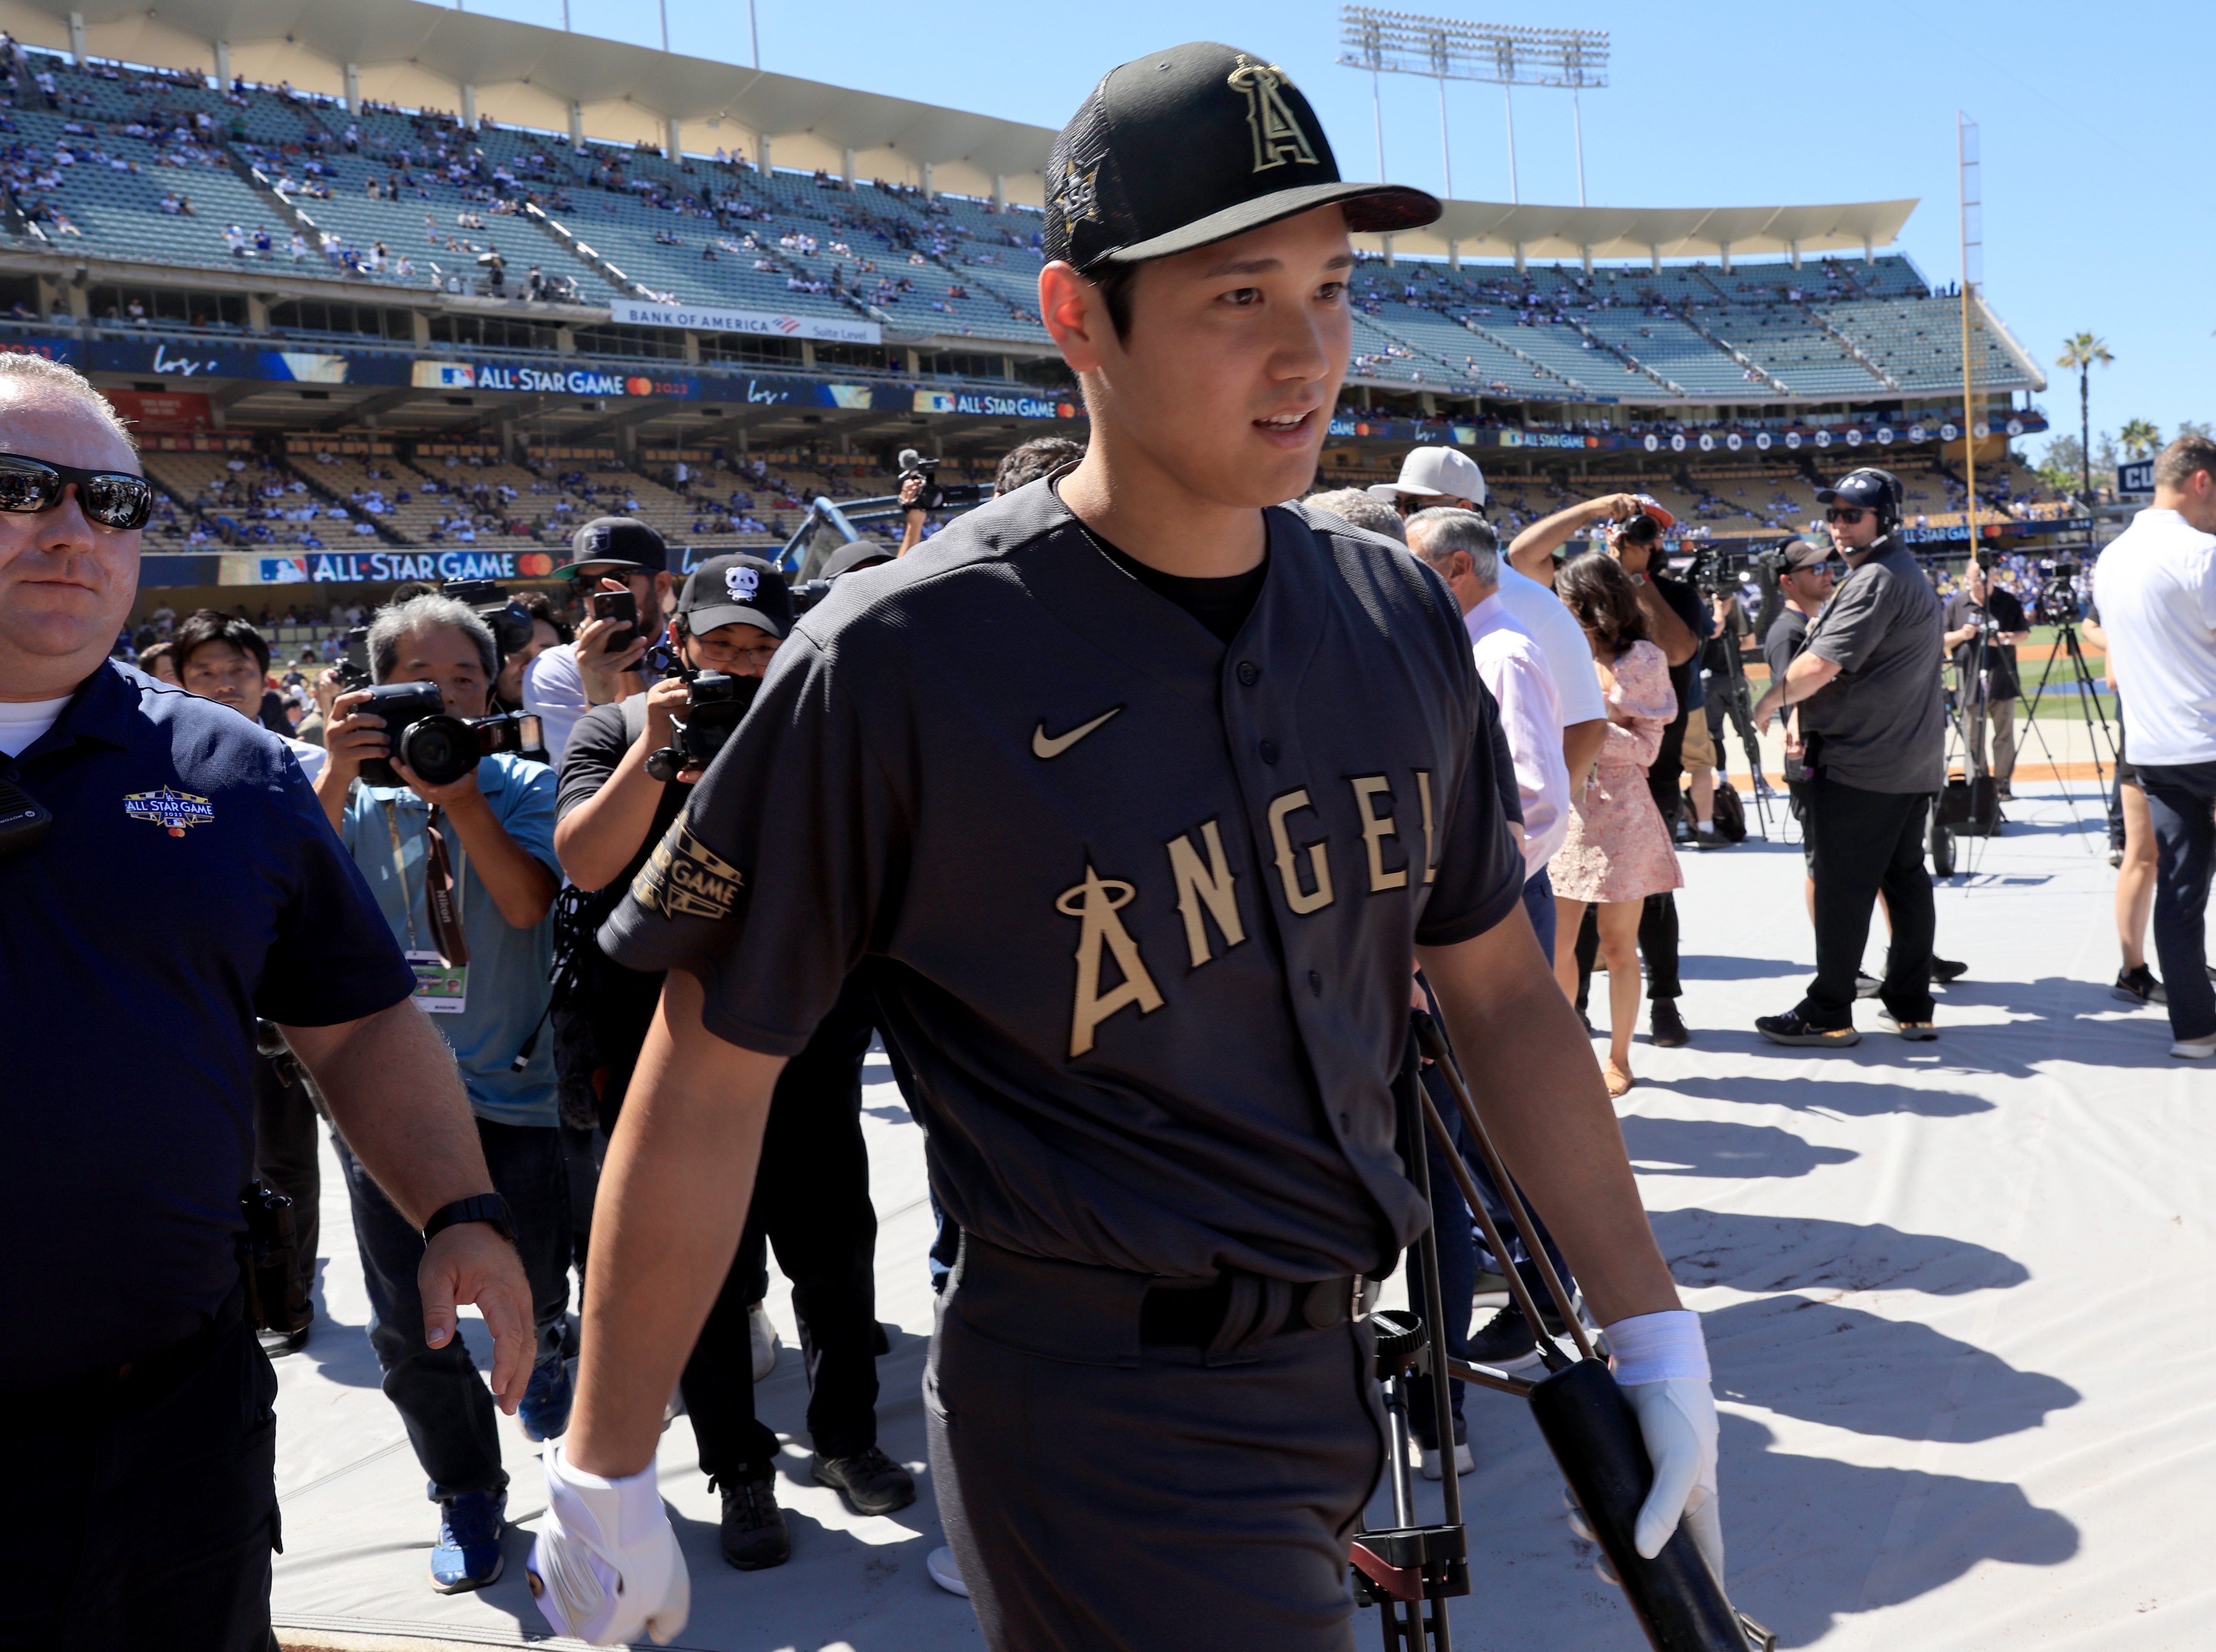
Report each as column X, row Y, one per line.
column 142, row 1260
column 1873, row 719
column 456, row 843
column 1985, row 625
column 1804, row 573
column 625, row 780
column 619, row 570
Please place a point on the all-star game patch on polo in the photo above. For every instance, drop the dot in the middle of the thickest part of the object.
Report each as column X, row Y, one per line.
column 189, row 882
column 1146, row 902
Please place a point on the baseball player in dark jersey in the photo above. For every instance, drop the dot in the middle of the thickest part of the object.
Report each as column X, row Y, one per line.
column 1142, row 798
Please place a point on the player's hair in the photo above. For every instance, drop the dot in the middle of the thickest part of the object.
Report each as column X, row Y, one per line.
column 1446, row 529
column 214, row 626
column 1356, row 508
column 398, row 619
column 1040, row 456
column 27, row 378
column 1595, row 589
column 2175, row 466
column 1117, row 282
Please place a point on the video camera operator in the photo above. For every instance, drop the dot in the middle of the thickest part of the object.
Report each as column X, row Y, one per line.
column 462, row 866
column 1985, row 680
column 132, row 1298
column 811, row 1195
column 1805, row 573
column 1873, row 720
column 610, row 557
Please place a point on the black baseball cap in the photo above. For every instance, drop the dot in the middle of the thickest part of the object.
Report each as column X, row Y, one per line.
column 1870, row 489
column 735, row 591
column 1180, row 148
column 863, row 553
column 617, row 542
column 1798, row 556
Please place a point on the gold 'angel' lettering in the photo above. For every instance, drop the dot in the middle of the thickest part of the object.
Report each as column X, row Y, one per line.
column 1094, row 905
column 1430, row 853
column 1376, row 829
column 1301, row 899
column 1204, row 889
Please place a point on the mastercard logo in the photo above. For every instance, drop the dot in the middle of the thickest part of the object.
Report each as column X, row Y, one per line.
column 1064, row 410
column 533, row 565
column 638, row 386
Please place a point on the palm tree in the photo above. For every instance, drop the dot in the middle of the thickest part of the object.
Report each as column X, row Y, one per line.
column 2081, row 351
column 2139, row 438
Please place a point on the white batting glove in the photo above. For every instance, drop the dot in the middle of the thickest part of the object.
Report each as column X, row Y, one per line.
column 606, row 1567
column 1661, row 1362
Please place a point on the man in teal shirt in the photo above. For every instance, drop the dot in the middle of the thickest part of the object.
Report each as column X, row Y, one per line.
column 464, row 873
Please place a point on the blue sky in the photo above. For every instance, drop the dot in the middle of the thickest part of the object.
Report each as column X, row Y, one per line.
column 1710, row 105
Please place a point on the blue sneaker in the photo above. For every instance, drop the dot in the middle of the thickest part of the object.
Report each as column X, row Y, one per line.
column 467, row 1555
column 545, row 1407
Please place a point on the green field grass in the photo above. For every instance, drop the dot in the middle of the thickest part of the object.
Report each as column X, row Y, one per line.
column 2060, row 698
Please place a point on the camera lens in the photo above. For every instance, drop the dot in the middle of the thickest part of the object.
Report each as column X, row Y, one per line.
column 439, row 749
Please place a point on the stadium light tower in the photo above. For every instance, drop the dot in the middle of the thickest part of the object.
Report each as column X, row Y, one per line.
column 1509, row 56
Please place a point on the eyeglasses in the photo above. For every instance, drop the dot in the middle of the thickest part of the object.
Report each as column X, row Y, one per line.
column 111, row 498
column 1848, row 513
column 734, row 653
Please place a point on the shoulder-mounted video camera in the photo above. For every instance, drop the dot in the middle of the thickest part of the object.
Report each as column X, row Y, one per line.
column 936, row 495
column 715, row 704
column 353, row 669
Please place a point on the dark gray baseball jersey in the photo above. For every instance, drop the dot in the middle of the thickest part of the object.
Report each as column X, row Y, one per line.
column 1143, row 905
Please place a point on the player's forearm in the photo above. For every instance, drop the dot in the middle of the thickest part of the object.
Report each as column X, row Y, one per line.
column 665, row 1222
column 395, row 1095
column 1540, row 1092
column 596, row 840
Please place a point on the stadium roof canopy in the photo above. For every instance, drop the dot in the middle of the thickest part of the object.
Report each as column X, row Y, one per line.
column 424, row 56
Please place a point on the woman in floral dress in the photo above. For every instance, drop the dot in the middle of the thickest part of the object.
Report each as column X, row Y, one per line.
column 1618, row 851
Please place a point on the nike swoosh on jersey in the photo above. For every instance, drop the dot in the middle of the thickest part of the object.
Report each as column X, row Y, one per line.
column 1045, row 746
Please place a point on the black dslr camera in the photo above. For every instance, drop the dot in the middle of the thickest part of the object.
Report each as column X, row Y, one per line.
column 715, row 703
column 439, row 748
column 353, row 669
column 507, row 619
column 936, row 495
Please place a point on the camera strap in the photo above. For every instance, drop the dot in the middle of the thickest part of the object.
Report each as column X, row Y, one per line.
column 443, row 898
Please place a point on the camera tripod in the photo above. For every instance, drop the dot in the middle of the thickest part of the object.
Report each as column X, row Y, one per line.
column 1739, row 706
column 1589, row 1425
column 2088, row 706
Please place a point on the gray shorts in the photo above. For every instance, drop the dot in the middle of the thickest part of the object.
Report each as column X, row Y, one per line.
column 1101, row 1496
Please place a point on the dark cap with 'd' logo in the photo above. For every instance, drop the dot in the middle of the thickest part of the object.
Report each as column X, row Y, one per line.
column 1181, row 148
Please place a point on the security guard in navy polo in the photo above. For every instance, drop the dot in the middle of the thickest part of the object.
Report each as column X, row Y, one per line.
column 166, row 877
column 1144, row 797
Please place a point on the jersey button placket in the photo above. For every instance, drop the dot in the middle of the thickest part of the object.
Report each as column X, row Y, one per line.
column 1249, row 673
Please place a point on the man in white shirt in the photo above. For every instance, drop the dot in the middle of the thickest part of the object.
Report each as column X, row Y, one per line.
column 1461, row 547
column 2156, row 589
column 1448, row 478
column 563, row 683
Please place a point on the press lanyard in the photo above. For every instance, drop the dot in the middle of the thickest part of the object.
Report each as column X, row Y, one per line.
column 400, row 871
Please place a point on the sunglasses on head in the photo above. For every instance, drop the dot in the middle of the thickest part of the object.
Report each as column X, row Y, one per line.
column 114, row 499
column 1848, row 513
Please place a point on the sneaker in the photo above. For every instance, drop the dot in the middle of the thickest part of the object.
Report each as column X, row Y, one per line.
column 765, row 1341
column 2138, row 986
column 1944, row 970
column 1464, row 1463
column 278, row 1344
column 1504, row 1342
column 1490, row 1284
column 1914, row 1031
column 1794, row 1028
column 753, row 1526
column 1867, row 986
column 546, row 1408
column 871, row 1481
column 1665, row 1026
column 2195, row 1049
column 467, row 1554
column 939, row 1562
column 1706, row 837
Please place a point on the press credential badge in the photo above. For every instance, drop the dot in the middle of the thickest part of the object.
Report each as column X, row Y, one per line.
column 442, row 989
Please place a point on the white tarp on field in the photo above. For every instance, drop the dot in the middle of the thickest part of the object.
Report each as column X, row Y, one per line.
column 1960, row 1296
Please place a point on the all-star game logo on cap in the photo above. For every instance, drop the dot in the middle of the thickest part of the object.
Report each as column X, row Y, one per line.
column 1194, row 144
column 170, row 809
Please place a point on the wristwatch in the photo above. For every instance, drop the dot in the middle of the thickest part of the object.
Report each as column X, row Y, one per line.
column 489, row 1208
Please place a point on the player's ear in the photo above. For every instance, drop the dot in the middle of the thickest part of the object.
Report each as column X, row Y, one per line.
column 1075, row 316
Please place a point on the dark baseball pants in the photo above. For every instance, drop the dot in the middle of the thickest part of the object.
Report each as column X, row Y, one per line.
column 443, row 1403
column 811, row 1202
column 1103, row 1496
column 2180, row 798
column 149, row 1510
column 1863, row 844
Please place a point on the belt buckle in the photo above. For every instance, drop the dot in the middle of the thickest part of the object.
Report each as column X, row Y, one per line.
column 1362, row 1298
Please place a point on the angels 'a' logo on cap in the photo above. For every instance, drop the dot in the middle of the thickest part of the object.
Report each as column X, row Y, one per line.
column 1080, row 192
column 1278, row 134
column 742, row 582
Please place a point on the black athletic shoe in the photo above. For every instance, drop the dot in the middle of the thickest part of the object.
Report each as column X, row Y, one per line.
column 1505, row 1343
column 871, row 1481
column 1944, row 970
column 753, row 1526
column 1914, row 1031
column 1794, row 1028
column 1867, row 986
column 1666, row 1026
column 2138, row 986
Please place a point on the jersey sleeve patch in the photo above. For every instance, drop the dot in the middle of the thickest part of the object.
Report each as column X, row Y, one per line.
column 686, row 878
